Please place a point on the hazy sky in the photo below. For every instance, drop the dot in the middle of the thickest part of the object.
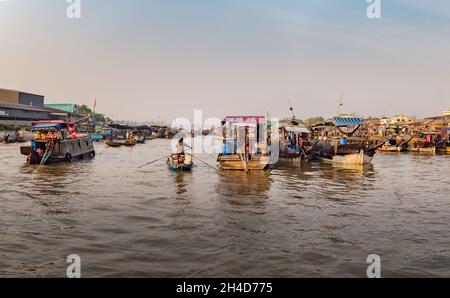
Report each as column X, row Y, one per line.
column 155, row 59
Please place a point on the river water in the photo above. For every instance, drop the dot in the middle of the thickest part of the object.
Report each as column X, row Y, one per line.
column 316, row 220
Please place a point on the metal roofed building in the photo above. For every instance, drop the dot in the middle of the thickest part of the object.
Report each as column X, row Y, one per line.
column 22, row 108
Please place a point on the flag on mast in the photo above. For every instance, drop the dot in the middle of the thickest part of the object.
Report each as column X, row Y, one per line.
column 94, row 105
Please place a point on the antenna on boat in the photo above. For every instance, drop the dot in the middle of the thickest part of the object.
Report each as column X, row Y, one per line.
column 340, row 103
column 291, row 109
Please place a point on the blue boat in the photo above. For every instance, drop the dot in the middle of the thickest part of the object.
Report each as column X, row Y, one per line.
column 180, row 162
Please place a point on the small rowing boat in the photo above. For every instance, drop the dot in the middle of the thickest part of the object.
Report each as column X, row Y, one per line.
column 111, row 143
column 116, row 144
column 180, row 162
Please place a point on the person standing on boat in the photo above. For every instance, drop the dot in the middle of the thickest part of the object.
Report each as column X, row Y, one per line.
column 181, row 145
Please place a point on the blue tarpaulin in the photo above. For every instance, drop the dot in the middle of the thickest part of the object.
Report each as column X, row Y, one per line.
column 347, row 121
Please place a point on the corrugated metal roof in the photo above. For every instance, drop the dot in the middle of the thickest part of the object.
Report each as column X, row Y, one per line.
column 347, row 121
column 28, row 108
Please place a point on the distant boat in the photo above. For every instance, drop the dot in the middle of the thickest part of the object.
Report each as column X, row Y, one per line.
column 116, row 144
column 113, row 143
column 424, row 144
column 180, row 162
column 96, row 137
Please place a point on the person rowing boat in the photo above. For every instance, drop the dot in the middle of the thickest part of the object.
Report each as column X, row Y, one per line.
column 179, row 160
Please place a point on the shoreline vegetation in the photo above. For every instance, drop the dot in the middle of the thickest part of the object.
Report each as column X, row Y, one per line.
column 14, row 127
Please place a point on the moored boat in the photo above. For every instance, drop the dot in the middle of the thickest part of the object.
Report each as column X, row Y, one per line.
column 336, row 142
column 424, row 144
column 395, row 144
column 443, row 146
column 57, row 141
column 245, row 145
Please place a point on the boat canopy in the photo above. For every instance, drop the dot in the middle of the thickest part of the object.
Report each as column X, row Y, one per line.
column 347, row 121
column 297, row 129
column 49, row 126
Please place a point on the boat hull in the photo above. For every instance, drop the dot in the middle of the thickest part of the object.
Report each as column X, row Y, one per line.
column 351, row 154
column 180, row 163
column 350, row 159
column 182, row 168
column 390, row 149
column 64, row 151
column 237, row 163
column 428, row 151
column 120, row 144
column 444, row 150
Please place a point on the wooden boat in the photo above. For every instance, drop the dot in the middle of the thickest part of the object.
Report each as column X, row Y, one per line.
column 294, row 142
column 343, row 148
column 424, row 144
column 393, row 147
column 443, row 146
column 444, row 149
column 116, row 144
column 244, row 147
column 130, row 143
column 57, row 141
column 180, row 162
column 238, row 162
column 389, row 148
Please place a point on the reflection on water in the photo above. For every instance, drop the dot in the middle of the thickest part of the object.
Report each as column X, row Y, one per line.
column 314, row 219
column 238, row 183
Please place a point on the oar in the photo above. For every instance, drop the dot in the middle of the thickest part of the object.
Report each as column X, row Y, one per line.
column 149, row 163
column 202, row 161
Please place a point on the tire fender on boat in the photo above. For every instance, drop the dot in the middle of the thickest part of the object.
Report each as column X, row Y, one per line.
column 69, row 157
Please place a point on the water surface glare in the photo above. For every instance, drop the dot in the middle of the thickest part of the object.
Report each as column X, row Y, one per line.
column 316, row 220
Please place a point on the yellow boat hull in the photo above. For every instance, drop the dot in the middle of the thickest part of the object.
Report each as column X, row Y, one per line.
column 237, row 162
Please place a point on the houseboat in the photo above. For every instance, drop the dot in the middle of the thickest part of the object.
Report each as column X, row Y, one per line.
column 57, row 141
column 245, row 145
column 443, row 146
column 336, row 142
column 394, row 144
column 425, row 143
column 294, row 141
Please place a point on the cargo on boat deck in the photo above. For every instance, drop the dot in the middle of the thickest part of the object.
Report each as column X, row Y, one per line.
column 57, row 141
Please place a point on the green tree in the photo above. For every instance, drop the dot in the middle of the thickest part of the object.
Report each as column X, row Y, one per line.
column 315, row 120
column 99, row 117
column 84, row 110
